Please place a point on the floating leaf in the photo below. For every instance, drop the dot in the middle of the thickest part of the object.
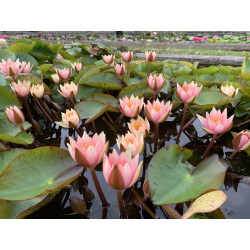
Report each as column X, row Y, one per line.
column 246, row 65
column 182, row 71
column 37, row 172
column 7, row 99
column 104, row 98
column 85, row 91
column 27, row 58
column 5, row 54
column 173, row 181
column 18, row 47
column 206, row 203
column 208, row 70
column 131, row 81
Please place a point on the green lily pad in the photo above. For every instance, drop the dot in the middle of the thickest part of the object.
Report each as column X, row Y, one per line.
column 182, row 79
column 7, row 99
column 85, row 74
column 209, row 99
column 37, row 172
column 46, row 67
column 143, row 67
column 21, row 209
column 18, row 47
column 131, row 81
column 27, row 58
column 208, row 70
column 104, row 98
column 171, row 180
column 246, row 65
column 182, row 71
column 104, row 80
column 85, row 91
column 5, row 54
column 206, row 203
column 91, row 110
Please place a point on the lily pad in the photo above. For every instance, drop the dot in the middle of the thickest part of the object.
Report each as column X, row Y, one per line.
column 7, row 99
column 37, row 172
column 91, row 110
column 182, row 71
column 27, row 58
column 131, row 81
column 206, row 203
column 208, row 70
column 104, row 98
column 171, row 180
column 85, row 91
column 5, row 54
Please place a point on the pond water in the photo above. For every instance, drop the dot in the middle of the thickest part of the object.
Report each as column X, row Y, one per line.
column 236, row 184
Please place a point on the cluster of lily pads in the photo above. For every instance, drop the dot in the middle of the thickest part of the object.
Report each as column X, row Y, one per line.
column 46, row 88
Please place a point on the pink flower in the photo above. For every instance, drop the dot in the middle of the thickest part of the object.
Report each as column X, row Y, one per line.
column 64, row 74
column 15, row 115
column 194, row 38
column 216, row 122
column 215, row 36
column 242, row 140
column 37, row 90
column 188, row 92
column 139, row 126
column 205, row 37
column 177, row 39
column 19, row 36
column 121, row 171
column 129, row 40
column 150, row 56
column 127, row 56
column 154, row 33
column 70, row 119
column 55, row 78
column 132, row 106
column 87, row 151
column 22, row 89
column 229, row 90
column 83, row 38
column 69, row 90
column 123, row 39
column 59, row 56
column 130, row 141
column 109, row 59
column 120, row 69
column 248, row 38
column 50, row 35
column 3, row 41
column 12, row 68
column 200, row 39
column 158, row 111
column 5, row 36
column 155, row 82
column 77, row 67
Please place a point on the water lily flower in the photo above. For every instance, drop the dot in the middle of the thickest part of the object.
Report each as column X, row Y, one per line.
column 155, row 82
column 3, row 41
column 64, row 74
column 216, row 122
column 139, row 126
column 157, row 111
column 215, row 37
column 188, row 92
column 50, row 35
column 242, row 140
column 55, row 78
column 109, row 59
column 88, row 151
column 37, row 90
column 12, row 68
column 70, row 119
column 22, row 89
column 15, row 115
column 59, row 56
column 5, row 36
column 120, row 69
column 121, row 171
column 77, row 67
column 154, row 33
column 229, row 90
column 150, row 56
column 205, row 37
column 248, row 38
column 131, row 141
column 127, row 56
column 68, row 90
column 19, row 36
column 123, row 39
column 132, row 106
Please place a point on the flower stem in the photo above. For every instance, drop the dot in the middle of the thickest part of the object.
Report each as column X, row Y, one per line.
column 78, row 131
column 155, row 95
column 192, row 120
column 156, row 137
column 209, row 146
column 127, row 68
column 183, row 121
column 42, row 109
column 94, row 127
column 233, row 154
column 22, row 128
column 149, row 66
column 72, row 102
column 98, row 188
column 120, row 203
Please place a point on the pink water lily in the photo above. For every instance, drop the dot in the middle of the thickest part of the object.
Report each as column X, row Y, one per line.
column 157, row 111
column 127, row 56
column 139, row 126
column 22, row 89
column 188, row 92
column 216, row 122
column 109, row 59
column 155, row 82
column 132, row 106
column 59, row 56
column 88, row 151
column 242, row 140
column 64, row 74
column 150, row 56
column 205, row 37
column 131, row 141
column 229, row 90
column 77, row 67
column 37, row 90
column 121, row 171
column 55, row 78
column 15, row 115
column 3, row 41
column 68, row 90
column 70, row 119
column 120, row 69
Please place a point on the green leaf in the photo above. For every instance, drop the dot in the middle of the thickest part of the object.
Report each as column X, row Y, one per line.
column 85, row 91
column 46, row 67
column 37, row 172
column 18, row 47
column 143, row 67
column 182, row 71
column 67, row 56
column 5, row 54
column 21, row 209
column 104, row 80
column 208, row 70
column 209, row 99
column 7, row 99
column 3, row 82
column 182, row 79
column 104, row 98
column 91, row 110
column 206, row 203
column 171, row 180
column 246, row 65
column 27, row 58
column 87, row 60
column 131, row 81
column 85, row 74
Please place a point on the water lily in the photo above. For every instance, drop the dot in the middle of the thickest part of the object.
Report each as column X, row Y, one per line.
column 59, row 56
column 150, row 56
column 64, row 74
column 15, row 116
column 55, row 78
column 77, row 67
column 132, row 106
column 3, row 41
column 37, row 90
column 241, row 141
column 229, row 90
column 120, row 69
column 139, row 126
column 155, row 82
column 109, row 59
column 70, row 119
column 22, row 89
column 68, row 90
column 127, row 56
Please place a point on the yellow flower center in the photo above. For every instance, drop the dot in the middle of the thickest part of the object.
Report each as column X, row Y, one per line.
column 137, row 125
column 215, row 119
column 87, row 145
column 130, row 103
column 156, row 108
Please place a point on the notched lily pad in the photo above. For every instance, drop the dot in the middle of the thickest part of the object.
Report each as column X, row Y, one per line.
column 171, row 180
